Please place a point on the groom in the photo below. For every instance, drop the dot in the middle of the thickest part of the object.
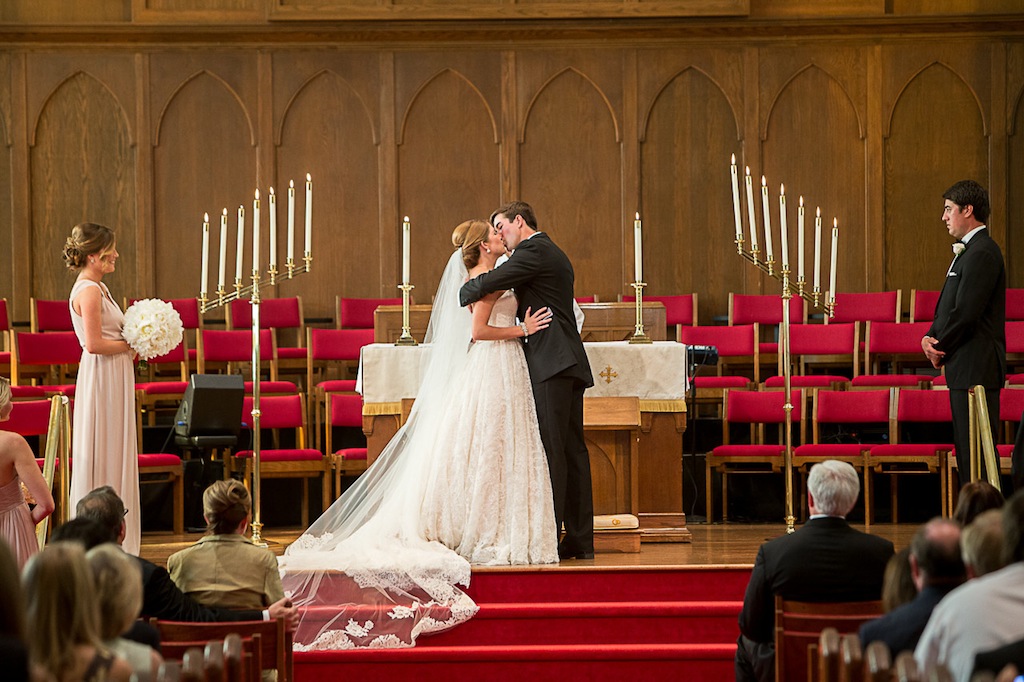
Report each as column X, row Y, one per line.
column 542, row 275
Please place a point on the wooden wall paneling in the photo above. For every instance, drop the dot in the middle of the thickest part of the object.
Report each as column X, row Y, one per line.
column 814, row 143
column 388, row 201
column 1014, row 250
column 145, row 255
column 570, row 149
column 7, row 240
column 935, row 135
column 509, row 128
column 63, row 13
column 448, row 105
column 753, row 281
column 83, row 168
column 198, row 11
column 874, row 189
column 205, row 159
column 22, row 275
column 688, row 135
column 328, row 128
column 998, row 153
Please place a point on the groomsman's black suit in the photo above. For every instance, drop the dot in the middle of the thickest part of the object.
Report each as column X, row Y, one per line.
column 970, row 325
column 824, row 561
column 541, row 275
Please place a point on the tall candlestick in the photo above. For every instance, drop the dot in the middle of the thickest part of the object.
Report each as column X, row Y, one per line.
column 206, row 254
column 736, row 199
column 256, row 232
column 800, row 240
column 291, row 221
column 638, row 254
column 750, row 211
column 817, row 248
column 241, row 243
column 273, row 229
column 766, row 209
column 309, row 214
column 785, row 229
column 832, row 270
column 406, row 238
column 223, row 249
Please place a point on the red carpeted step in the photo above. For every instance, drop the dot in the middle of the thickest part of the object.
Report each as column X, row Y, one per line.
column 589, row 623
column 595, row 663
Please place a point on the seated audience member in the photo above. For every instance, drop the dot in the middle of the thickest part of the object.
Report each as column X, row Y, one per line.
column 13, row 650
column 983, row 613
column 898, row 584
column 18, row 466
column 976, row 497
column 63, row 624
column 998, row 660
column 118, row 587
column 824, row 561
column 223, row 568
column 936, row 568
column 981, row 544
column 161, row 598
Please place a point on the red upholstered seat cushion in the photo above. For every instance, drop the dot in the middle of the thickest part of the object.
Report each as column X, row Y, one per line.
column 1004, row 453
column 279, row 387
column 290, row 353
column 721, row 382
column 748, row 451
column 40, row 461
column 884, row 380
column 1015, row 379
column 162, row 387
column 338, row 386
column 831, row 450
column 287, row 455
column 939, row 380
column 352, row 453
column 805, row 381
column 160, row 459
column 910, row 449
column 766, row 347
column 28, row 392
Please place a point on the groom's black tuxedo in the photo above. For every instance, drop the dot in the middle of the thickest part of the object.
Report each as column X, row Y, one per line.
column 970, row 321
column 541, row 275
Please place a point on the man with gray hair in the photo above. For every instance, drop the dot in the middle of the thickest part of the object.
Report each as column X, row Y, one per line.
column 824, row 561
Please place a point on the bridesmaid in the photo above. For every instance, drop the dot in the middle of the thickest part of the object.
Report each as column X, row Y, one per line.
column 103, row 437
column 17, row 466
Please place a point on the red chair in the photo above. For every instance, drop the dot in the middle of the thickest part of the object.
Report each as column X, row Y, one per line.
column 901, row 455
column 757, row 409
column 586, row 299
column 51, row 316
column 287, row 412
column 162, row 468
column 46, row 358
column 922, row 305
column 737, row 348
column 345, row 410
column 883, row 306
column 680, row 311
column 818, row 345
column 357, row 313
column 279, row 314
column 191, row 321
column 1014, row 344
column 766, row 312
column 1011, row 407
column 1015, row 304
column 227, row 349
column 151, row 396
column 846, row 412
column 332, row 352
column 894, row 345
column 8, row 341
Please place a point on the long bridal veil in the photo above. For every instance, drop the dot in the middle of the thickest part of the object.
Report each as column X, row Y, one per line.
column 363, row 574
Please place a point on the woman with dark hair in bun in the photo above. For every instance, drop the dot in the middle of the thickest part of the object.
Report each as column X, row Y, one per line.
column 103, row 432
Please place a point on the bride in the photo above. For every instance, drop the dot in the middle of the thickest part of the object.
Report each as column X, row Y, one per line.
column 465, row 480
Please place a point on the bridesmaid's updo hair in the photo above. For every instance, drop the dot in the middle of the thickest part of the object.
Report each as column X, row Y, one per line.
column 468, row 236
column 225, row 504
column 86, row 240
column 5, row 391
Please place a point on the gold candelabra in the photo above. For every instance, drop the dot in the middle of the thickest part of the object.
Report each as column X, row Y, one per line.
column 406, row 338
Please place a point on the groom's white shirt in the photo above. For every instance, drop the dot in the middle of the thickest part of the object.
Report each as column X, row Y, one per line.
column 576, row 310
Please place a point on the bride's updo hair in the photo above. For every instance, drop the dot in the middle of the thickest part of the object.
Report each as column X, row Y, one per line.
column 225, row 504
column 468, row 237
column 86, row 240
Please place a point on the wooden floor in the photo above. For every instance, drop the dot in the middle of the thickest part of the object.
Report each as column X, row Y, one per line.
column 713, row 544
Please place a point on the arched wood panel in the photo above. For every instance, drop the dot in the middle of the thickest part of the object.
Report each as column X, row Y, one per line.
column 687, row 199
column 8, row 286
column 448, row 165
column 570, row 172
column 814, row 147
column 936, row 138
column 204, row 161
column 326, row 114
column 1014, row 248
column 83, row 169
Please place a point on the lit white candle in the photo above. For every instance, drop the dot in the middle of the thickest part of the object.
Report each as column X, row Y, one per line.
column 817, row 248
column 832, row 270
column 750, row 211
column 309, row 214
column 784, row 228
column 206, row 254
column 272, row 200
column 241, row 243
column 736, row 199
column 256, row 232
column 223, row 249
column 800, row 240
column 766, row 210
column 406, row 238
column 638, row 249
column 291, row 221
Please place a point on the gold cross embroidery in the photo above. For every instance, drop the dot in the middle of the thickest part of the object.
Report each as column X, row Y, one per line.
column 608, row 374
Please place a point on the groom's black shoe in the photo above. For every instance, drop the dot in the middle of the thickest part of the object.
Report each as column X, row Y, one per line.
column 565, row 554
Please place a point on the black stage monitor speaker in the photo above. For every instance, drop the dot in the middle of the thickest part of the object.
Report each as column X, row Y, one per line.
column 212, row 406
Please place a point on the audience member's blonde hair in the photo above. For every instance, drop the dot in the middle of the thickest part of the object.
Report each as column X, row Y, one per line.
column 981, row 544
column 225, row 504
column 118, row 585
column 62, row 610
column 898, row 584
column 5, row 391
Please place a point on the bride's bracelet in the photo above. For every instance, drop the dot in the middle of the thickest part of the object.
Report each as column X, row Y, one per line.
column 526, row 332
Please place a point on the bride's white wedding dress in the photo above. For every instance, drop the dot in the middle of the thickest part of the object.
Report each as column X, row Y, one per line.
column 464, row 480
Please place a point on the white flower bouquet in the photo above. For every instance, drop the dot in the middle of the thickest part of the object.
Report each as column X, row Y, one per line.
column 152, row 328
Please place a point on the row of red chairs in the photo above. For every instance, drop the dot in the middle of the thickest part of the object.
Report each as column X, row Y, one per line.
column 887, row 413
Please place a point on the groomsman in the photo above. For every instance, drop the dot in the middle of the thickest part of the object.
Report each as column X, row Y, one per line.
column 968, row 335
